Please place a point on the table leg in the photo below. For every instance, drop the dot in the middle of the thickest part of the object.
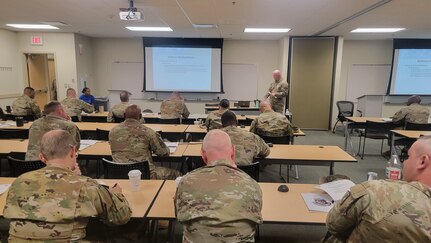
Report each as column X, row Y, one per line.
column 171, row 231
column 331, row 168
column 392, row 150
column 347, row 138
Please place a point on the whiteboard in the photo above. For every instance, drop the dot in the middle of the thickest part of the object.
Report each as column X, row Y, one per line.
column 367, row 79
column 239, row 81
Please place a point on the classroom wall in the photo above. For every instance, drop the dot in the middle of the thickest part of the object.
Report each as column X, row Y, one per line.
column 265, row 54
column 11, row 86
column 84, row 62
column 62, row 45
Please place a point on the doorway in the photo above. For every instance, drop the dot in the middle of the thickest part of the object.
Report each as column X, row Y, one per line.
column 42, row 76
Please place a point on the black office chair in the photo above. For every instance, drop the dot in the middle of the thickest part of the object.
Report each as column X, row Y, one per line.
column 13, row 133
column 375, row 130
column 345, row 109
column 147, row 111
column 418, row 126
column 281, row 140
column 115, row 170
column 118, row 119
column 26, row 118
column 21, row 166
column 102, row 134
column 2, row 115
column 74, row 118
column 170, row 121
column 252, row 170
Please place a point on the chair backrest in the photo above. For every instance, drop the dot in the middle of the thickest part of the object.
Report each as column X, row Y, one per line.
column 276, row 140
column 115, row 170
column 252, row 170
column 378, row 127
column 2, row 115
column 418, row 126
column 13, row 133
column 26, row 118
column 147, row 111
column 102, row 134
column 74, row 118
column 118, row 119
column 345, row 109
column 170, row 121
column 20, row 166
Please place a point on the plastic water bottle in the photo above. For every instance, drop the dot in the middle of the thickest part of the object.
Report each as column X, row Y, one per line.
column 393, row 168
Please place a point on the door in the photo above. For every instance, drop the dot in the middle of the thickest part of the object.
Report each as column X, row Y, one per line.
column 311, row 75
column 41, row 77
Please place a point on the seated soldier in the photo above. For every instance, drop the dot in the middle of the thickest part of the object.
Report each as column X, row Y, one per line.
column 25, row 105
column 270, row 123
column 75, row 106
column 174, row 107
column 213, row 120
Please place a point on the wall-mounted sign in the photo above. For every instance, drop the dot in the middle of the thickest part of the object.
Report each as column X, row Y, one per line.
column 36, row 40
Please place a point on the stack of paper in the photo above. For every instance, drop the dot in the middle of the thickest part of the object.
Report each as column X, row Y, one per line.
column 336, row 189
column 8, row 124
column 85, row 143
column 172, row 146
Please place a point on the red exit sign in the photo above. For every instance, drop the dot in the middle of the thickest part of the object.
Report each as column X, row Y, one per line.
column 36, row 40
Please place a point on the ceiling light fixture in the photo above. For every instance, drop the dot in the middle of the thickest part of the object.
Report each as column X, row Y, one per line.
column 376, row 30
column 137, row 28
column 266, row 30
column 205, row 26
column 33, row 26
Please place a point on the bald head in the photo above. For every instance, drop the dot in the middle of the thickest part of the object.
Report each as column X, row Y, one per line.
column 217, row 146
column 276, row 74
column 133, row 112
column 176, row 96
column 124, row 96
column 71, row 93
column 264, row 106
column 418, row 165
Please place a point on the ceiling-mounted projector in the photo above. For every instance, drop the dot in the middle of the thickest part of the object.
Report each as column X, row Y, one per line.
column 130, row 15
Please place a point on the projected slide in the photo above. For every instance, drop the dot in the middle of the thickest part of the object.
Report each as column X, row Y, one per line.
column 411, row 72
column 183, row 69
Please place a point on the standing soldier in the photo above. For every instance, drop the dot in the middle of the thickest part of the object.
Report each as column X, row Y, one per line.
column 75, row 106
column 277, row 92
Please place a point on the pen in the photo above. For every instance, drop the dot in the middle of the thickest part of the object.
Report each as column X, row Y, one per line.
column 115, row 185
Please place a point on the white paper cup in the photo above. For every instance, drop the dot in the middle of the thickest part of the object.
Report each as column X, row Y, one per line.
column 135, row 179
column 101, row 108
column 196, row 122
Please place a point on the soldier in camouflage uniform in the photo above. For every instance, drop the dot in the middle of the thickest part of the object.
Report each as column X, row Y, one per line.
column 413, row 113
column 75, row 106
column 247, row 145
column 270, row 123
column 119, row 109
column 25, row 105
column 277, row 92
column 387, row 210
column 213, row 120
column 56, row 118
column 218, row 202
column 132, row 141
column 54, row 204
column 174, row 107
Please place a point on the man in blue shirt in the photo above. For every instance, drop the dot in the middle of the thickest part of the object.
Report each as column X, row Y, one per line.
column 86, row 96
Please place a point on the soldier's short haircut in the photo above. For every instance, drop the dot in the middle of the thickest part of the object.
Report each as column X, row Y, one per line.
column 228, row 119
column 133, row 111
column 28, row 90
column 51, row 107
column 224, row 103
column 85, row 89
column 124, row 96
column 70, row 90
column 56, row 144
column 414, row 99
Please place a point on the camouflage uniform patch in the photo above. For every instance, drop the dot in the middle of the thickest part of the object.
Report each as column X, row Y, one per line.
column 413, row 113
column 201, row 204
column 382, row 211
column 272, row 124
column 280, row 89
column 213, row 120
column 132, row 141
column 74, row 107
column 26, row 106
column 44, row 125
column 117, row 111
column 247, row 145
column 53, row 204
column 171, row 109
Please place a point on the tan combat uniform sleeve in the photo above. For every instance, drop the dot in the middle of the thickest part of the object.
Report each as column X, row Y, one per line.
column 157, row 145
column 253, row 126
column 110, row 117
column 263, row 147
column 111, row 208
column 346, row 214
column 282, row 90
column 399, row 116
column 35, row 109
column 87, row 108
